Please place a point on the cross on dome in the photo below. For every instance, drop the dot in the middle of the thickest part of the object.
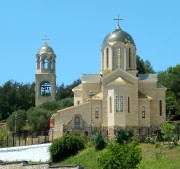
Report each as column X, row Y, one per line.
column 45, row 39
column 118, row 19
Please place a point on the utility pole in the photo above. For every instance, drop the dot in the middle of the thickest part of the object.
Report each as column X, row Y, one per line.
column 15, row 129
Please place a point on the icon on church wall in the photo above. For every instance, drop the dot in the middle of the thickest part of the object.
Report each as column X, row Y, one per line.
column 77, row 122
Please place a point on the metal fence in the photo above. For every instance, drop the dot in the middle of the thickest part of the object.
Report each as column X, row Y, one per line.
column 23, row 139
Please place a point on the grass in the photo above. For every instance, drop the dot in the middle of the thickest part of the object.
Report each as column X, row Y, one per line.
column 164, row 157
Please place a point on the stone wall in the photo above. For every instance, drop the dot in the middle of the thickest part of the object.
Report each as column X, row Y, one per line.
column 26, row 165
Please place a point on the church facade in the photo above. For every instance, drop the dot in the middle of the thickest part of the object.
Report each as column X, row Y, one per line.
column 116, row 98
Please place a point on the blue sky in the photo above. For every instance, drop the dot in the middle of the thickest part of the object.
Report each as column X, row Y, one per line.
column 76, row 30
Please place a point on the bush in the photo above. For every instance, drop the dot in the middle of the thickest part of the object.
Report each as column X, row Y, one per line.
column 125, row 156
column 123, row 136
column 65, row 146
column 151, row 139
column 137, row 138
column 99, row 142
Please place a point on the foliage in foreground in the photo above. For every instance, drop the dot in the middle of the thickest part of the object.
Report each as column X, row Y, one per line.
column 124, row 136
column 99, row 142
column 125, row 156
column 168, row 129
column 65, row 146
column 169, row 158
column 19, row 117
column 38, row 119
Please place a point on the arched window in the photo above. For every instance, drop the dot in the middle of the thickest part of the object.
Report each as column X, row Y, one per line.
column 38, row 63
column 160, row 107
column 52, row 64
column 110, row 104
column 45, row 63
column 129, row 57
column 143, row 112
column 107, row 57
column 97, row 113
column 128, row 104
column 45, row 89
column 119, row 56
column 119, row 103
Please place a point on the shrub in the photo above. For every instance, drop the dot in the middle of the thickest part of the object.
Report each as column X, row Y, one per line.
column 168, row 130
column 99, row 142
column 65, row 146
column 137, row 138
column 125, row 156
column 151, row 139
column 123, row 136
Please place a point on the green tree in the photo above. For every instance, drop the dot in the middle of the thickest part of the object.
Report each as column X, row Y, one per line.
column 143, row 66
column 15, row 96
column 57, row 105
column 19, row 117
column 170, row 78
column 99, row 141
column 38, row 119
column 122, row 156
column 50, row 105
column 66, row 91
column 123, row 136
column 168, row 130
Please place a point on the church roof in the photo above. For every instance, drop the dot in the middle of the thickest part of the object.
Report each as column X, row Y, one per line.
column 78, row 87
column 118, row 35
column 147, row 77
column 90, row 78
column 98, row 96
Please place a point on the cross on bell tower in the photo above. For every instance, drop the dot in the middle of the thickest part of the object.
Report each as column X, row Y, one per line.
column 45, row 39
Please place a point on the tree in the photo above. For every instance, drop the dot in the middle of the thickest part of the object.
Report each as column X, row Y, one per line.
column 168, row 130
column 50, row 105
column 15, row 96
column 57, row 105
column 66, row 91
column 17, row 118
column 38, row 119
column 99, row 141
column 123, row 136
column 170, row 78
column 143, row 66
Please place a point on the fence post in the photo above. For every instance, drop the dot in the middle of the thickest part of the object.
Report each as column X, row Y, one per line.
column 7, row 140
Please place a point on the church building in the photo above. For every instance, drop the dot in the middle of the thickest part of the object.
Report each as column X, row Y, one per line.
column 116, row 98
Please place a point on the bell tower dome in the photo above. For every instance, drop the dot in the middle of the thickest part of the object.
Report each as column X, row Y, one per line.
column 118, row 51
column 45, row 75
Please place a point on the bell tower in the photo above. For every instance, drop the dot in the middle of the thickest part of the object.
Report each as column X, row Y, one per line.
column 45, row 75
